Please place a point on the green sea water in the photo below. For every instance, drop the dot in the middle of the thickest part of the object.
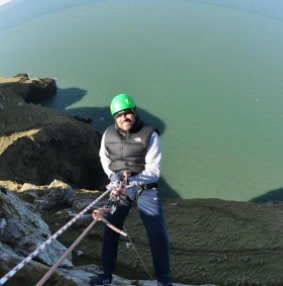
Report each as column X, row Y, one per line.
column 208, row 74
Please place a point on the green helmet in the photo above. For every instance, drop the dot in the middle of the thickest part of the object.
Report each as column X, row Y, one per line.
column 121, row 102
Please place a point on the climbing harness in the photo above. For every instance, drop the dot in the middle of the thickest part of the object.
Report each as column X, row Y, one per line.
column 117, row 194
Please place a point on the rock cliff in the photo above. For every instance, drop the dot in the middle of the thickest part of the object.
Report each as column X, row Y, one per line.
column 38, row 144
column 49, row 171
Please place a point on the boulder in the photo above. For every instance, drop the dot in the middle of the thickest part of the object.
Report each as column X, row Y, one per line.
column 23, row 230
column 55, row 197
column 31, row 89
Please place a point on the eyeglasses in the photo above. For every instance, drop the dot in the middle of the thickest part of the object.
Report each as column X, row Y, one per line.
column 124, row 112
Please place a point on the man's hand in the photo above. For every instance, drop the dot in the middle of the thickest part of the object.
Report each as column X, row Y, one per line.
column 118, row 193
column 118, row 186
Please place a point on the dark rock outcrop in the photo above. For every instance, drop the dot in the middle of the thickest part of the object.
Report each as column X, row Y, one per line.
column 38, row 145
column 31, row 89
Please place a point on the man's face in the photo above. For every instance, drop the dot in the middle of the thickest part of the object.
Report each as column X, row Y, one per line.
column 125, row 120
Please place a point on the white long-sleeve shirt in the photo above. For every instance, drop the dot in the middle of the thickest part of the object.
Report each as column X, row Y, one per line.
column 151, row 172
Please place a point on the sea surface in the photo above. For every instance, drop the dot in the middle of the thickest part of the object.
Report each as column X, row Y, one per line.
column 208, row 74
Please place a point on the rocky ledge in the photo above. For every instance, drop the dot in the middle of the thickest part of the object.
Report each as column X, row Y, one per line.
column 49, row 172
column 39, row 144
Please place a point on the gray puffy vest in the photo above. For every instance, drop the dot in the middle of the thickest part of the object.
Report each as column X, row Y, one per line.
column 127, row 150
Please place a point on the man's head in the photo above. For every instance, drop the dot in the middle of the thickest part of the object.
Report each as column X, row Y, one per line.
column 122, row 108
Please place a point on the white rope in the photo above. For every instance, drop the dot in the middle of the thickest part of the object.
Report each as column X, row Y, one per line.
column 65, row 254
column 139, row 256
column 12, row 272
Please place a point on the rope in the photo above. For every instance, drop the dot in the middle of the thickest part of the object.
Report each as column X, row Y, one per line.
column 139, row 256
column 65, row 254
column 12, row 272
column 97, row 217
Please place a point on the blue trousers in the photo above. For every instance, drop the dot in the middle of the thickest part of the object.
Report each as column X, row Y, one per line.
column 150, row 210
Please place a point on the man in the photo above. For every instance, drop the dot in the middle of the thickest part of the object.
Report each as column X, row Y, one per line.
column 130, row 147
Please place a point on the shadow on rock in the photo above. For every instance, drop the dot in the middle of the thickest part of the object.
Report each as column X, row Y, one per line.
column 271, row 196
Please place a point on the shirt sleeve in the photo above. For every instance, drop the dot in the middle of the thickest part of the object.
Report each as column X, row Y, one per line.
column 151, row 172
column 104, row 158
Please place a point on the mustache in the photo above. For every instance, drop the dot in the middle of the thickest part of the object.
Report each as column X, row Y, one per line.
column 127, row 120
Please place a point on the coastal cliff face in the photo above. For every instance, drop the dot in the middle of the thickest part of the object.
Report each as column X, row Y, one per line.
column 49, row 171
column 38, row 144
